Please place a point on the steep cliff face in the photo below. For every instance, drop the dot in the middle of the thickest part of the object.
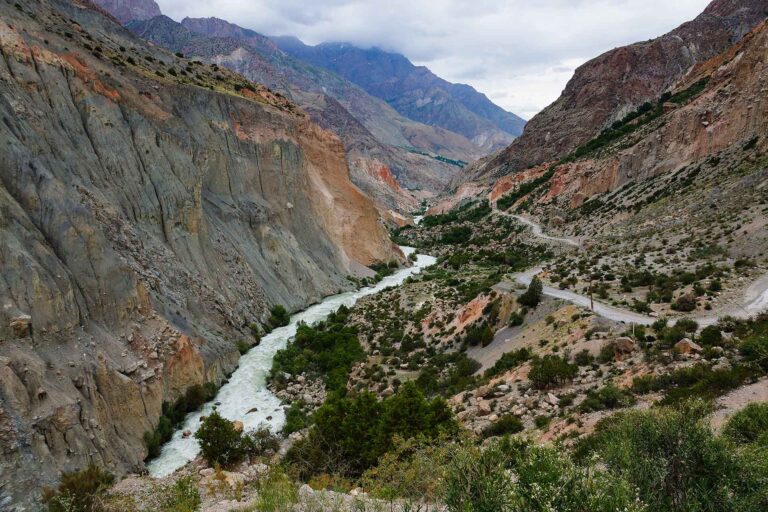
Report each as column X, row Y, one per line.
column 373, row 132
column 731, row 114
column 151, row 208
column 610, row 86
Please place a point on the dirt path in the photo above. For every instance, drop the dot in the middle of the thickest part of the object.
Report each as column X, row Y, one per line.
column 738, row 399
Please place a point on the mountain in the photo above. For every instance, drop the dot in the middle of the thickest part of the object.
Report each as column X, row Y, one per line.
column 607, row 88
column 153, row 209
column 414, row 91
column 129, row 10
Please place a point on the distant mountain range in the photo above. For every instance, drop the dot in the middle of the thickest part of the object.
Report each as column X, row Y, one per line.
column 414, row 91
column 404, row 141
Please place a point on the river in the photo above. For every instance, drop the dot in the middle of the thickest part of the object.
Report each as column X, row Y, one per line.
column 246, row 397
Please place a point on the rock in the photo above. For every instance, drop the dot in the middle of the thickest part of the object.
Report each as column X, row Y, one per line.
column 723, row 364
column 388, row 392
column 553, row 399
column 186, row 434
column 41, row 393
column 483, row 408
column 686, row 346
column 306, row 492
column 251, row 411
column 207, row 472
column 624, row 345
column 238, row 425
column 21, row 326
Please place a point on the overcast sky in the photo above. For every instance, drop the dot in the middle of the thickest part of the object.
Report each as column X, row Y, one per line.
column 520, row 53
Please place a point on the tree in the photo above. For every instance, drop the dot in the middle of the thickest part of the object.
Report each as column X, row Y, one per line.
column 220, row 442
column 532, row 296
column 550, row 371
column 279, row 316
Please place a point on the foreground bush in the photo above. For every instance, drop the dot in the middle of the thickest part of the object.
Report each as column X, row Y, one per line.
column 511, row 476
column 749, row 425
column 677, row 462
column 220, row 442
column 79, row 491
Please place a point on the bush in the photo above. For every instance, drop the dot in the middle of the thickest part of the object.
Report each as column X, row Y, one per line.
column 509, row 424
column 607, row 397
column 516, row 319
column 749, row 425
column 532, row 296
column 79, row 491
column 583, row 358
column 351, row 433
column 220, row 443
column 509, row 361
column 671, row 455
column 551, row 371
column 278, row 317
column 328, row 350
column 711, row 336
column 181, row 496
column 173, row 415
column 295, row 418
column 511, row 476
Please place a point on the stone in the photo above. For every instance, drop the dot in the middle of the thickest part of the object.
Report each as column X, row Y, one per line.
column 483, row 408
column 686, row 346
column 553, row 399
column 186, row 434
column 624, row 345
column 238, row 425
column 21, row 326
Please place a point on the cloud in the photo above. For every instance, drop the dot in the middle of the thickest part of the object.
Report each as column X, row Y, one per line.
column 521, row 53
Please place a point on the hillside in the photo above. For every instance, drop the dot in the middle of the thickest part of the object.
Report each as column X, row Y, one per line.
column 382, row 144
column 154, row 209
column 610, row 86
column 414, row 91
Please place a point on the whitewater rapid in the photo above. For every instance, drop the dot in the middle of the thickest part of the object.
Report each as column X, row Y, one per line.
column 246, row 397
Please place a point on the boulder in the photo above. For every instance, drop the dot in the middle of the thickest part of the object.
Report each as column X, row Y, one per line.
column 21, row 326
column 238, row 425
column 483, row 408
column 686, row 346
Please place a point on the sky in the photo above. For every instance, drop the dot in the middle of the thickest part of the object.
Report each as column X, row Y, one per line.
column 520, row 53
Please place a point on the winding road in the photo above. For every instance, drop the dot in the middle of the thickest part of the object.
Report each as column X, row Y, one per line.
column 755, row 298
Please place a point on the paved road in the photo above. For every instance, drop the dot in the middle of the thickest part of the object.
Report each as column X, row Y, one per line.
column 755, row 298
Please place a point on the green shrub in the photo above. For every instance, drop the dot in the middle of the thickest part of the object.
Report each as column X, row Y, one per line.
column 508, row 424
column 278, row 316
column 672, row 456
column 351, row 433
column 509, row 361
column 542, row 421
column 551, row 371
column 327, row 349
column 607, row 397
column 711, row 336
column 79, row 491
column 532, row 296
column 584, row 358
column 516, row 319
column 219, row 442
column 511, row 476
column 749, row 425
column 181, row 496
column 173, row 415
column 295, row 418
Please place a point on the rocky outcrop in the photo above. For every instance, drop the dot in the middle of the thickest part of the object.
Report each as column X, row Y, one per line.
column 129, row 10
column 730, row 114
column 610, row 86
column 151, row 208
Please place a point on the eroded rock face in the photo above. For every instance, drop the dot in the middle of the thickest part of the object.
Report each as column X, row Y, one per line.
column 610, row 86
column 129, row 10
column 145, row 221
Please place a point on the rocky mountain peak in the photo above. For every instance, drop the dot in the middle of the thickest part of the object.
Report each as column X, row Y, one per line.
column 130, row 10
column 610, row 86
